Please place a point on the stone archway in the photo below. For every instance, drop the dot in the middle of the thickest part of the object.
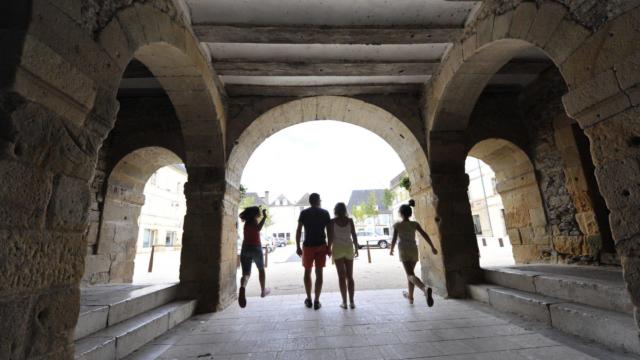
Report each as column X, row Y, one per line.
column 602, row 81
column 353, row 111
column 516, row 184
column 123, row 201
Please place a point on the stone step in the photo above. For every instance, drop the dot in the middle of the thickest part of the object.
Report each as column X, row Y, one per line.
column 107, row 305
column 598, row 288
column 610, row 328
column 120, row 340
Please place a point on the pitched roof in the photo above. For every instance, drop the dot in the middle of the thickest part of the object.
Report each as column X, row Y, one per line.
column 276, row 201
column 304, row 200
column 257, row 199
column 362, row 197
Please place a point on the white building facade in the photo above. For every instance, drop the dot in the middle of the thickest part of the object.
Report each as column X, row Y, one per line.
column 162, row 215
column 488, row 215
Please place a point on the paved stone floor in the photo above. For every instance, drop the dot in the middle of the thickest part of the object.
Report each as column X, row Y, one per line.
column 383, row 326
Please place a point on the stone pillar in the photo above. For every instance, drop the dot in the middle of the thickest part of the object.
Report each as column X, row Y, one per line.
column 460, row 254
column 205, row 271
column 615, row 149
column 44, row 200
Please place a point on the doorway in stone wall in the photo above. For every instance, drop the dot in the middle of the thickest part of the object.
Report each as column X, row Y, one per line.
column 160, row 223
column 489, row 216
column 506, row 205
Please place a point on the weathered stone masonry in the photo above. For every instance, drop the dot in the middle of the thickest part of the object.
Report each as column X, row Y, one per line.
column 68, row 156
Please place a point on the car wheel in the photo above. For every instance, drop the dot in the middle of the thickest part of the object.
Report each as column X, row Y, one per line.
column 383, row 244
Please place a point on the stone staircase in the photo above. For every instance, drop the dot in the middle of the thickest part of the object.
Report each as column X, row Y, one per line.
column 590, row 302
column 116, row 320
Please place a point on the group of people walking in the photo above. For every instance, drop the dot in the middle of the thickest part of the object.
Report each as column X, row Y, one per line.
column 326, row 236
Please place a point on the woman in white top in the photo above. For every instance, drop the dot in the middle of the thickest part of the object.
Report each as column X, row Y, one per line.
column 405, row 231
column 343, row 243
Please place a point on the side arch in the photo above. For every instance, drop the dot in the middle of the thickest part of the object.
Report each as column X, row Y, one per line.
column 166, row 45
column 124, row 198
column 517, row 185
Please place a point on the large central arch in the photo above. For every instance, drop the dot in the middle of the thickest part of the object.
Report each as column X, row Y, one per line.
column 357, row 112
column 349, row 110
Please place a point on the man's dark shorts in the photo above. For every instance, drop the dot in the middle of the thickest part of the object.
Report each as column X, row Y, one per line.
column 249, row 254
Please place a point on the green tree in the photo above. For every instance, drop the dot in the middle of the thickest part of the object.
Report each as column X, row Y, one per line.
column 406, row 183
column 245, row 201
column 371, row 207
column 387, row 198
column 358, row 212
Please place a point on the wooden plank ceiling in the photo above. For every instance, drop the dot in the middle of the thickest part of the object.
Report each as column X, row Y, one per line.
column 331, row 47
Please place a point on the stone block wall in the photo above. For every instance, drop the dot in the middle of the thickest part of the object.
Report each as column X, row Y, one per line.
column 116, row 201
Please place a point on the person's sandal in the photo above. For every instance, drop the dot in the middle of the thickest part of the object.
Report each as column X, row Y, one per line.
column 266, row 292
column 316, row 305
column 352, row 306
column 242, row 299
column 307, row 303
column 429, row 297
column 406, row 296
column 343, row 305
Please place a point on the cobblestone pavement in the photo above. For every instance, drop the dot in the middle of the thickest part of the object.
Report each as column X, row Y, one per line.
column 383, row 326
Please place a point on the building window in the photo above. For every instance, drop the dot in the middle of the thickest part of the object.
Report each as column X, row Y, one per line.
column 149, row 238
column 477, row 225
column 288, row 236
column 385, row 231
column 484, row 242
column 170, row 238
column 500, row 242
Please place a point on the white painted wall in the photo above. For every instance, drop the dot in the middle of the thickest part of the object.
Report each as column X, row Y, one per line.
column 164, row 207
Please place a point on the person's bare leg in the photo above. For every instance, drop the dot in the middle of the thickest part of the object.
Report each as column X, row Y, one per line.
column 244, row 280
column 411, row 276
column 307, row 282
column 350, row 283
column 318, row 288
column 261, row 278
column 264, row 291
column 342, row 280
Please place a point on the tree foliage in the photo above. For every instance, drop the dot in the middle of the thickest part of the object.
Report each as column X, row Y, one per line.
column 406, row 183
column 366, row 209
column 387, row 198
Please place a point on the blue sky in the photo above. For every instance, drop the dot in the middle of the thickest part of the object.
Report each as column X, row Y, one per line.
column 328, row 157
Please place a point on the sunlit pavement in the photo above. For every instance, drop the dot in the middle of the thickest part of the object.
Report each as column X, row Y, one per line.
column 284, row 271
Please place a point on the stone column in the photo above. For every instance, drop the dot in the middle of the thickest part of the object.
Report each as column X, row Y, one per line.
column 44, row 200
column 460, row 254
column 205, row 273
column 615, row 149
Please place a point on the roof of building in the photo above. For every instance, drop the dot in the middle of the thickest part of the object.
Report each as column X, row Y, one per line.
column 362, row 197
column 304, row 200
column 276, row 201
column 257, row 199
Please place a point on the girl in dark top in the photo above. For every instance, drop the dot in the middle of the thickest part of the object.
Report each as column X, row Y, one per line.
column 252, row 251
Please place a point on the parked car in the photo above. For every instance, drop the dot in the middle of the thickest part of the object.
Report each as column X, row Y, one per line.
column 372, row 239
column 280, row 242
column 268, row 243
